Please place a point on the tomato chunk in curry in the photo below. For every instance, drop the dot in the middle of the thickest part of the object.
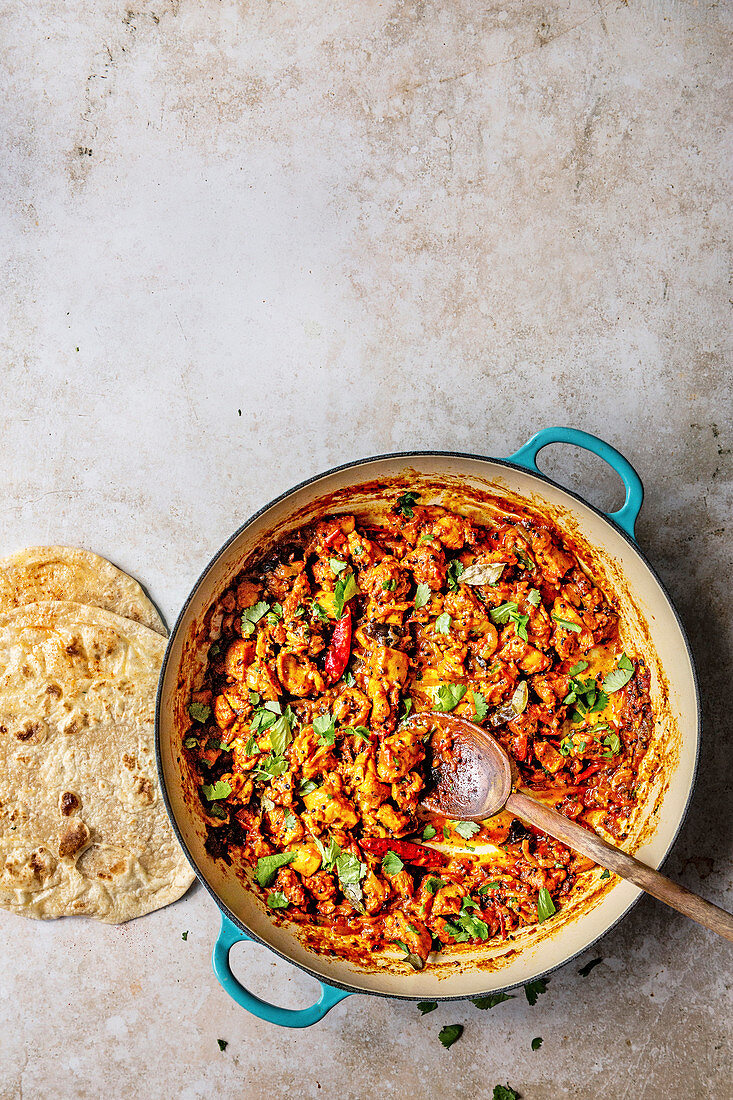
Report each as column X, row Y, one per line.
column 311, row 778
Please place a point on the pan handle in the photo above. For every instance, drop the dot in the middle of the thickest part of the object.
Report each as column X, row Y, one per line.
column 229, row 934
column 627, row 515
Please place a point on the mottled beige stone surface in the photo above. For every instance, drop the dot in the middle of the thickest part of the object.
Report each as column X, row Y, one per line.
column 368, row 226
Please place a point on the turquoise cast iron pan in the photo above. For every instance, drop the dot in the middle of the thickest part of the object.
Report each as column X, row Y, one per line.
column 612, row 537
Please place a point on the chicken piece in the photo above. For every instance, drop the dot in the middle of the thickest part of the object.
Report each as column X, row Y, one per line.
column 307, row 860
column 549, row 757
column 239, row 657
column 322, row 885
column 288, row 882
column 327, row 806
column 396, row 823
column 237, row 696
column 406, row 792
column 427, row 562
column 386, row 581
column 375, row 892
column 262, row 679
column 284, row 825
column 551, row 688
column 448, row 900
column 351, row 707
column 280, row 580
column 553, row 561
column 367, row 791
column 412, row 933
column 248, row 594
column 450, row 529
column 403, row 884
column 533, row 660
column 298, row 675
column 399, row 753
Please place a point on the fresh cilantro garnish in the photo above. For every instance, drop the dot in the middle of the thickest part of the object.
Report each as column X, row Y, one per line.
column 509, row 612
column 269, row 767
column 307, row 786
column 184, row 935
column 453, row 573
column 346, row 587
column 532, row 990
column 190, row 743
column 432, row 884
column 199, row 712
column 406, row 502
column 442, row 623
column 392, row 864
column 407, row 703
column 524, row 559
column 619, row 676
column 446, row 833
column 336, row 566
column 213, row 791
column 251, row 616
column 215, row 649
column 249, row 748
column 281, row 733
column 325, row 727
column 606, row 874
column 533, row 597
column 425, row 537
column 536, row 1043
column 289, row 820
column 545, row 905
column 358, row 731
column 422, row 596
column 268, row 866
column 492, row 1000
column 489, row 886
column 585, row 970
column 504, row 1093
column 319, row 612
column 427, row 1006
column 466, row 829
column 466, row 927
column 223, row 1044
column 275, row 613
column 328, row 855
column 348, row 678
column 587, row 697
column 567, row 624
column 389, row 585
column 428, row 832
column 448, row 696
column 612, row 745
column 480, row 706
column 580, row 667
column 277, row 900
column 450, row 1034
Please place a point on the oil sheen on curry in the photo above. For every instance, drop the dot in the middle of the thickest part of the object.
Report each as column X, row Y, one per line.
column 311, row 778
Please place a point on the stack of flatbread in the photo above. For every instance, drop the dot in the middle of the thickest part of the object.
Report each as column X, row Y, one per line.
column 83, row 827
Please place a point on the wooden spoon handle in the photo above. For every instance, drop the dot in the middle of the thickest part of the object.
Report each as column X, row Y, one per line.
column 591, row 845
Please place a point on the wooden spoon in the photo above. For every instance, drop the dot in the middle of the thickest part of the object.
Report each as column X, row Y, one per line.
column 475, row 781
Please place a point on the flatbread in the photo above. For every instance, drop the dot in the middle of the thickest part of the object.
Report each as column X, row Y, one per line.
column 67, row 573
column 83, row 827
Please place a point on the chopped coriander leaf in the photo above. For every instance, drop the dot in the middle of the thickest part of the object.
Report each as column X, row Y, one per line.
column 254, row 698
column 536, row 1043
column 619, row 676
column 307, row 786
column 406, row 502
column 422, row 596
column 358, row 731
column 566, row 624
column 346, row 587
column 281, row 733
column 350, row 870
column 533, row 597
column 502, row 1093
column 190, row 743
column 545, row 905
column 408, row 707
column 450, row 1034
column 348, row 679
column 199, row 712
column 448, row 696
column 606, row 874
column 223, row 1044
column 492, row 1000
column 580, row 667
column 324, row 726
column 249, row 748
column 390, row 585
column 337, row 566
column 184, row 935
column 442, row 623
column 218, row 811
column 446, row 833
column 432, row 884
column 213, row 791
column 319, row 612
column 427, row 1006
column 289, row 820
column 488, row 886
column 252, row 615
column 392, row 864
column 585, row 970
column 466, row 829
column 501, row 614
column 428, row 832
column 277, row 900
column 454, row 572
column 268, row 866
column 532, row 990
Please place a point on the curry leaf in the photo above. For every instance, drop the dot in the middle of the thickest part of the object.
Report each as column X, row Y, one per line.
column 268, row 866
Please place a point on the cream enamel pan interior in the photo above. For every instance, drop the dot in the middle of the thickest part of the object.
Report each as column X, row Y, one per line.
column 654, row 628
